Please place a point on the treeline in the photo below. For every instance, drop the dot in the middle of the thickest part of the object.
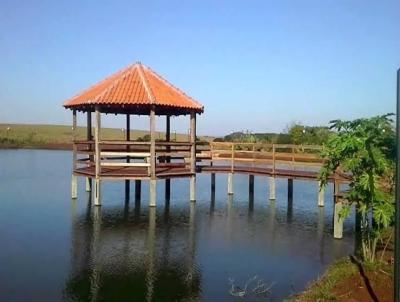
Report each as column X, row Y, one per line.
column 294, row 134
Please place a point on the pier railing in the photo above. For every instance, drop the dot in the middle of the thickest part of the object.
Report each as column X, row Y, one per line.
column 135, row 154
column 256, row 154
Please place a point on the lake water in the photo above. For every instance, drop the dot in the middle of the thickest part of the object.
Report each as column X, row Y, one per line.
column 57, row 249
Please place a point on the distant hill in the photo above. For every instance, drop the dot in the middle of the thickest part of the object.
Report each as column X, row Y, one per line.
column 60, row 136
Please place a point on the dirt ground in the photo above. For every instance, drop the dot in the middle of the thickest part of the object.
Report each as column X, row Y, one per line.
column 365, row 286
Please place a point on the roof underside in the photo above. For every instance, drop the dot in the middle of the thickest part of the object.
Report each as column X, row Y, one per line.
column 135, row 90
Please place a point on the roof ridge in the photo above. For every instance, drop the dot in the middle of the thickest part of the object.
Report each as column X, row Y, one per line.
column 124, row 73
column 174, row 87
column 146, row 84
column 97, row 84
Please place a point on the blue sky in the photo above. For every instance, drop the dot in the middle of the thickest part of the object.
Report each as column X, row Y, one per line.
column 254, row 65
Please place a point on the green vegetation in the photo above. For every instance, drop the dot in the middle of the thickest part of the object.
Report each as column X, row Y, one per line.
column 366, row 149
column 50, row 136
column 322, row 289
column 294, row 134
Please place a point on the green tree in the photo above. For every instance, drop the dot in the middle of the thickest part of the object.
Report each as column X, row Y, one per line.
column 365, row 148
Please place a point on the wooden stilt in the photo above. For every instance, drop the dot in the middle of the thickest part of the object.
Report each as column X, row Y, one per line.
column 193, row 156
column 88, row 184
column 128, row 138
column 251, row 184
column 213, row 182
column 338, row 205
column 153, row 181
column 321, row 195
column 97, row 193
column 290, row 189
column 74, row 187
column 153, row 192
column 337, row 220
column 89, row 138
column 138, row 190
column 168, row 159
column 272, row 190
column 230, row 183
column 74, row 180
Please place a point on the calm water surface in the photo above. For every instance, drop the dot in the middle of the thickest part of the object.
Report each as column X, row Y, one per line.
column 55, row 249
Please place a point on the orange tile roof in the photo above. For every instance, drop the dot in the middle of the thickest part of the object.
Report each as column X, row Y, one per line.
column 136, row 86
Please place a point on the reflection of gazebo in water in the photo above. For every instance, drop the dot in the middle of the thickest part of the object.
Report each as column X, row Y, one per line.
column 133, row 256
column 135, row 90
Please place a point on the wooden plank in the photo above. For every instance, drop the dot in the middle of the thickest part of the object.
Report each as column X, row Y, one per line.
column 131, row 154
column 114, row 164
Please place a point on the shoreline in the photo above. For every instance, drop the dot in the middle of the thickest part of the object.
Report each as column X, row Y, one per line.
column 50, row 146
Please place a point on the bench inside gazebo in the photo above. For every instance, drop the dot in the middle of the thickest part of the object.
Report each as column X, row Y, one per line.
column 135, row 90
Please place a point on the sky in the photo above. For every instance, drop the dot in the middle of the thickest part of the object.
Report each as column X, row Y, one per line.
column 254, row 65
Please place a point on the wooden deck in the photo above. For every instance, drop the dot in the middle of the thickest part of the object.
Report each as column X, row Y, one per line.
column 164, row 171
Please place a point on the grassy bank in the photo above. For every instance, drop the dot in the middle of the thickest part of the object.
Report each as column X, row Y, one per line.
column 60, row 137
column 352, row 280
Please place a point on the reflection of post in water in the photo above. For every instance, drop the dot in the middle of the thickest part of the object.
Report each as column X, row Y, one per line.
column 151, row 242
column 251, row 203
column 229, row 207
column 137, row 207
column 229, row 216
column 127, row 191
column 167, row 237
column 89, row 207
column 212, row 204
column 95, row 250
column 192, row 245
column 126, row 211
column 138, row 190
column 271, row 222
column 290, row 201
column 320, row 231
column 73, row 210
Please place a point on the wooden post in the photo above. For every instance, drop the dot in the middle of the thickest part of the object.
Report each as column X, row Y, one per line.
column 321, row 195
column 74, row 180
column 290, row 190
column 138, row 189
column 128, row 138
column 193, row 156
column 213, row 182
column 272, row 190
column 153, row 180
column 337, row 220
column 89, row 138
column 97, row 187
column 230, row 183
column 168, row 159
column 251, row 185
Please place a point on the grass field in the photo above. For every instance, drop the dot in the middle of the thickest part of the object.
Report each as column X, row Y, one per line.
column 38, row 136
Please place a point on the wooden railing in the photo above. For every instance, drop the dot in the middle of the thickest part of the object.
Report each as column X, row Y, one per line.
column 137, row 154
column 271, row 155
column 122, row 154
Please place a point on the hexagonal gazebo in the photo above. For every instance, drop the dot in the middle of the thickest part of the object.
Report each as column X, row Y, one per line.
column 135, row 90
